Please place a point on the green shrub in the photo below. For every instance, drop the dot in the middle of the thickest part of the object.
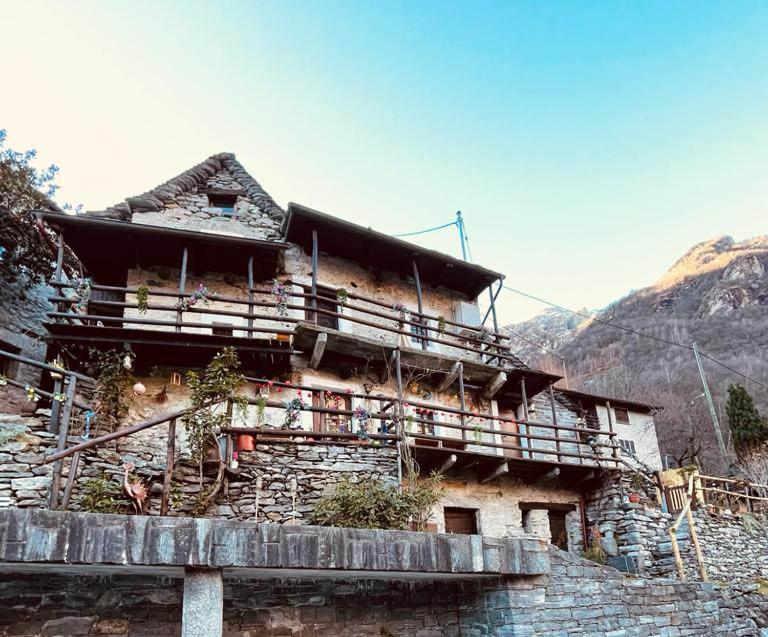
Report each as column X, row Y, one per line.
column 101, row 495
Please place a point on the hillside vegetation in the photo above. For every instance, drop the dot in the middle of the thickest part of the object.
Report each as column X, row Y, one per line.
column 717, row 295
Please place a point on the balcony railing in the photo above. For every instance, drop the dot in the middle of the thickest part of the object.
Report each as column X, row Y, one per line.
column 260, row 318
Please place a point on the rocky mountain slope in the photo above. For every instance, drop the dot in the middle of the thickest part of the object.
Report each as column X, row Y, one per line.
column 716, row 294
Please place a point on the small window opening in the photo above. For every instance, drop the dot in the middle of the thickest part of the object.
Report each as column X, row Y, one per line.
column 225, row 203
column 460, row 520
column 622, row 415
column 326, row 301
column 221, row 329
column 627, row 446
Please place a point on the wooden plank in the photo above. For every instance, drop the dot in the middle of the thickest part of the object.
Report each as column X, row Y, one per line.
column 182, row 284
column 552, row 473
column 53, row 499
column 314, row 275
column 250, row 294
column 554, row 417
column 318, row 350
column 169, row 460
column 496, row 472
column 450, row 377
column 462, row 401
column 494, row 385
column 419, row 303
column 70, row 481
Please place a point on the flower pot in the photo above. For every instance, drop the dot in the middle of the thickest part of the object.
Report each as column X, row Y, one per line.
column 245, row 442
column 634, row 498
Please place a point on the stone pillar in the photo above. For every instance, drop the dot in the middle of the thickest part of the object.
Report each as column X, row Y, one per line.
column 538, row 524
column 203, row 609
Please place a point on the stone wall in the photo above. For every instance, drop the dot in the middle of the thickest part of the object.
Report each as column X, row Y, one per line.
column 577, row 598
column 21, row 332
column 313, row 468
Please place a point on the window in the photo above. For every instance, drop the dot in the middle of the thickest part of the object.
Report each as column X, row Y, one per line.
column 331, row 422
column 459, row 520
column 418, row 331
column 326, row 301
column 224, row 202
column 627, row 446
column 221, row 329
column 622, row 415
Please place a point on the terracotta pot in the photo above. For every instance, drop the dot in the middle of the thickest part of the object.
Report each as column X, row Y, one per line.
column 634, row 498
column 245, row 442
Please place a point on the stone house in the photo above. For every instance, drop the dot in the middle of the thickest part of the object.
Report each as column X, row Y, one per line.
column 365, row 358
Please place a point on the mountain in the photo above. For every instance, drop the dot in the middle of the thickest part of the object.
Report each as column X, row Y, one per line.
column 716, row 294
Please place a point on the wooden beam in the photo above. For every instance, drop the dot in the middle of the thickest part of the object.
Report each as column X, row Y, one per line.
column 450, row 377
column 586, row 478
column 314, row 274
column 70, row 481
column 182, row 284
column 319, row 349
column 494, row 385
column 498, row 471
column 53, row 500
column 462, row 401
column 552, row 473
column 419, row 301
column 448, row 463
column 169, row 460
column 250, row 294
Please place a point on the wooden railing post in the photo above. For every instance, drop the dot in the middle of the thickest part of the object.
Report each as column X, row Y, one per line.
column 182, row 286
column 169, row 460
column 314, row 275
column 610, row 427
column 250, row 296
column 53, row 424
column 462, row 401
column 70, row 480
column 53, row 499
column 553, row 406
column 419, row 305
column 526, row 417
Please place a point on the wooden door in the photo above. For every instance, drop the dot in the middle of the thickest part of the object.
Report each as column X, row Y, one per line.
column 513, row 428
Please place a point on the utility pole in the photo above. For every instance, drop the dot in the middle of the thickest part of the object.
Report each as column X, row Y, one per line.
column 711, row 405
column 460, row 223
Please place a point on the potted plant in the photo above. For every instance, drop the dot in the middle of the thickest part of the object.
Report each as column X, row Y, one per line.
column 634, row 498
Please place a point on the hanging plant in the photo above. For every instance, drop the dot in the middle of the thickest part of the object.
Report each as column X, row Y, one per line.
column 293, row 408
column 261, row 408
column 401, row 311
column 441, row 325
column 202, row 293
column 217, row 383
column 60, row 397
column 3, row 380
column 81, row 295
column 341, row 298
column 363, row 419
column 477, row 433
column 113, row 380
column 282, row 293
column 32, row 395
column 142, row 298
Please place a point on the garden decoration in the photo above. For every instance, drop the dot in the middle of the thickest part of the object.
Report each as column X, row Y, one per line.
column 282, row 293
column 202, row 293
column 363, row 418
column 142, row 298
column 139, row 389
column 32, row 395
column 341, row 298
column 60, row 397
column 87, row 416
column 293, row 408
column 3, row 380
column 401, row 310
column 135, row 489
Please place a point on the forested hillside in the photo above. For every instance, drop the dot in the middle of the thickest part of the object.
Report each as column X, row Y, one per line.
column 716, row 295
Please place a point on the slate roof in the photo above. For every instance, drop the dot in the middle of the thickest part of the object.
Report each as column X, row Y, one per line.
column 192, row 179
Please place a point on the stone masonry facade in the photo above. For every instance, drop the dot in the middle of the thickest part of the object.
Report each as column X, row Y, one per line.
column 577, row 598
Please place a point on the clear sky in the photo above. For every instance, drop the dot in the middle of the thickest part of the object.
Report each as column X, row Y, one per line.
column 589, row 144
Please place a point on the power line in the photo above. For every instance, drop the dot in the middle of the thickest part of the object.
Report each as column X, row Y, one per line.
column 413, row 234
column 637, row 333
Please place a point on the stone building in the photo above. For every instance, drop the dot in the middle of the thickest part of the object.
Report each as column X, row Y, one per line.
column 365, row 358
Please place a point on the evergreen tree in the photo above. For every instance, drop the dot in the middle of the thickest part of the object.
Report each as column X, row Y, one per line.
column 748, row 429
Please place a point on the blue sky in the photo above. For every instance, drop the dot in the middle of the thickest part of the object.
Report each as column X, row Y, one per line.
column 588, row 144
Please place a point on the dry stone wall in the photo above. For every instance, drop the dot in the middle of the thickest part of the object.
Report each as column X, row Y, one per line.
column 577, row 598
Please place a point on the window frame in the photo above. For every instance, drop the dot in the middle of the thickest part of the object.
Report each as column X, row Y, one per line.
column 627, row 446
column 622, row 420
column 224, row 203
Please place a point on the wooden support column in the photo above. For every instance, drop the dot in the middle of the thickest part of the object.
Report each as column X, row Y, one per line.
column 53, row 425
column 448, row 463
column 70, row 481
column 419, row 303
column 462, row 401
column 250, row 296
column 493, row 315
column 169, row 461
column 314, row 275
column 554, row 420
column 59, row 260
column 610, row 428
column 526, row 417
column 182, row 285
column 53, row 499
